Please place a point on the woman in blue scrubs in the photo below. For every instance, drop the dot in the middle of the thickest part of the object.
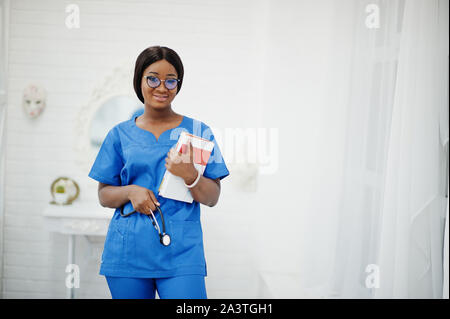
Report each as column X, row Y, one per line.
column 129, row 168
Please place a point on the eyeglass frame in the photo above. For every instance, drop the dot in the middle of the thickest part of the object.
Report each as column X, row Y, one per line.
column 146, row 80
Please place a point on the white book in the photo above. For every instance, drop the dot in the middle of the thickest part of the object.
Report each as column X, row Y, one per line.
column 173, row 186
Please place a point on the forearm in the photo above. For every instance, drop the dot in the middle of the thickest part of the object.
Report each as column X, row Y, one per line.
column 206, row 191
column 114, row 196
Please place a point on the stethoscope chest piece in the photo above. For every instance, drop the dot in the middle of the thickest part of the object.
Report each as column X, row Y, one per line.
column 165, row 239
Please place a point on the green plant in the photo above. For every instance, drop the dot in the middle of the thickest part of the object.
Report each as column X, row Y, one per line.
column 60, row 189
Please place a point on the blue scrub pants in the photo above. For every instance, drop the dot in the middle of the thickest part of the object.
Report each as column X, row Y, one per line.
column 179, row 287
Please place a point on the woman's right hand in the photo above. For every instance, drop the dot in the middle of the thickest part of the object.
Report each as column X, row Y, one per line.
column 142, row 199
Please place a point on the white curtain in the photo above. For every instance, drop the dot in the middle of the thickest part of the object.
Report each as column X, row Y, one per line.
column 392, row 214
column 443, row 126
column 446, row 257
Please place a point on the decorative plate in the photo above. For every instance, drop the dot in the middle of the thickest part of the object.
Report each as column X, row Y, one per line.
column 64, row 191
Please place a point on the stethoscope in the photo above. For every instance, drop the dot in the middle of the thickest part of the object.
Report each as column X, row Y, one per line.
column 163, row 237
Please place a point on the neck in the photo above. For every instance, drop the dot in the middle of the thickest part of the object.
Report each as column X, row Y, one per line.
column 153, row 114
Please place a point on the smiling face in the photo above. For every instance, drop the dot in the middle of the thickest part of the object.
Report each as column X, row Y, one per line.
column 160, row 97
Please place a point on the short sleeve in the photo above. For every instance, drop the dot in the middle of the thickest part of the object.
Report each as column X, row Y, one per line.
column 216, row 167
column 109, row 162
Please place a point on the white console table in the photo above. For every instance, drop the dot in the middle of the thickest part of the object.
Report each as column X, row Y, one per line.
column 86, row 219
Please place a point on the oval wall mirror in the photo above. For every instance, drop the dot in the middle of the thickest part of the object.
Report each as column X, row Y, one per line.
column 111, row 112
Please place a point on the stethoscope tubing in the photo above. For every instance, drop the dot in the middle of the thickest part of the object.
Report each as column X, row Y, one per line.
column 154, row 221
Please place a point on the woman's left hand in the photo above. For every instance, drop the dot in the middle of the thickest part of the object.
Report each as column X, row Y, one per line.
column 182, row 165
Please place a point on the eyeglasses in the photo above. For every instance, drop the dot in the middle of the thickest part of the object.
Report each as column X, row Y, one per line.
column 154, row 82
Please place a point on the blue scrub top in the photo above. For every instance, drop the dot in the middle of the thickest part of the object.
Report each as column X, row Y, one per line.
column 132, row 155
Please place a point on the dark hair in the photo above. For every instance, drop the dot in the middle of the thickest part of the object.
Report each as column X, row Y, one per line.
column 152, row 55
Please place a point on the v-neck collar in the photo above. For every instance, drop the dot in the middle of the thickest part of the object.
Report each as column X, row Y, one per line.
column 148, row 133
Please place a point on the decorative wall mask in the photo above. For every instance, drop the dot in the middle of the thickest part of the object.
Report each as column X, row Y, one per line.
column 34, row 97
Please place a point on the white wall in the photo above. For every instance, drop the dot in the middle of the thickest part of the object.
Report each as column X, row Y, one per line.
column 4, row 24
column 272, row 64
column 68, row 63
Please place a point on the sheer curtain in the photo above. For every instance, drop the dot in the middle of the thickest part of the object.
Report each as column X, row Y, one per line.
column 392, row 213
column 446, row 257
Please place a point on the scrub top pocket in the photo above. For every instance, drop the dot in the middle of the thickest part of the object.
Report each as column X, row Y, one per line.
column 115, row 242
column 187, row 242
column 145, row 251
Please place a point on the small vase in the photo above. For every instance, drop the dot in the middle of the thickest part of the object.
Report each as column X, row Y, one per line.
column 60, row 198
